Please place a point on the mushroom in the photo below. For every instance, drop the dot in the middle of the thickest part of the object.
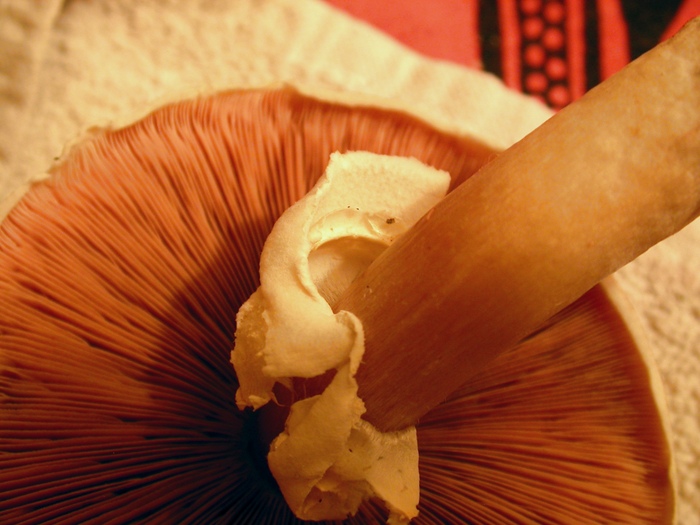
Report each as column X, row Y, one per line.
column 121, row 275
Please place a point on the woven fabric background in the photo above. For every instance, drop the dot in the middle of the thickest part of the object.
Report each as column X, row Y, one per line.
column 68, row 65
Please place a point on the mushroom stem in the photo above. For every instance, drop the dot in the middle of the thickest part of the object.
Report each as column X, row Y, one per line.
column 587, row 192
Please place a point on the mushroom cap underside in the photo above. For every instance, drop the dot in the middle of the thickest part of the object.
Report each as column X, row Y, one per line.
column 121, row 275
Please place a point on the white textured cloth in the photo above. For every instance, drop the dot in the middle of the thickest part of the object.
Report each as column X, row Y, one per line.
column 67, row 66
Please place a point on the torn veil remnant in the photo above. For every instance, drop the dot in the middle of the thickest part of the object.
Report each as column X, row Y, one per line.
column 328, row 460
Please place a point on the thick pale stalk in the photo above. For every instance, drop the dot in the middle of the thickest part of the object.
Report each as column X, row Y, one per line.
column 594, row 187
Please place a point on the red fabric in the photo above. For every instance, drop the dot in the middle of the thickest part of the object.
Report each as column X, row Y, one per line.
column 688, row 10
column 614, row 39
column 552, row 49
column 443, row 29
